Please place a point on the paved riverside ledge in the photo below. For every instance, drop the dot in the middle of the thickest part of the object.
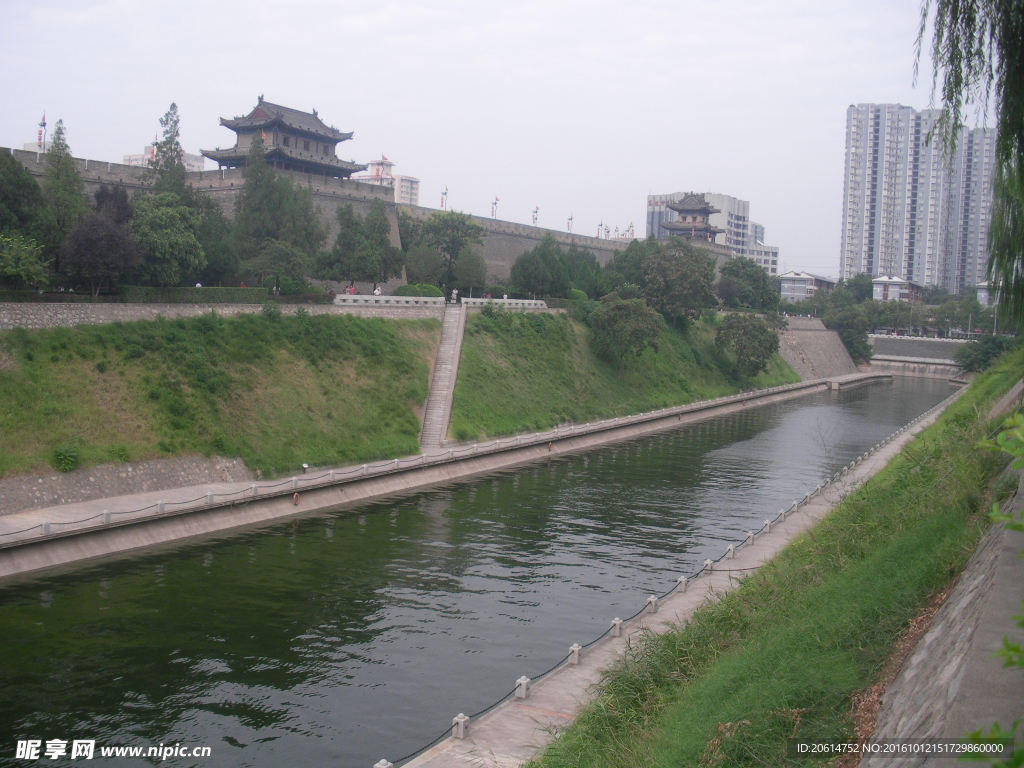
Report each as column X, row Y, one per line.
column 44, row 538
column 514, row 732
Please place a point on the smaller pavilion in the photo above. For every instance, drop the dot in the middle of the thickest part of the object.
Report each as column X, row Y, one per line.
column 293, row 141
column 694, row 218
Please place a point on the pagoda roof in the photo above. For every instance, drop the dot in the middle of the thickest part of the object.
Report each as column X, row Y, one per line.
column 693, row 203
column 265, row 115
column 234, row 155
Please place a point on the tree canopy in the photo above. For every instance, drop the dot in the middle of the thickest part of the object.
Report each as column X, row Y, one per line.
column 21, row 262
column 624, row 327
column 450, row 232
column 754, row 287
column 362, row 250
column 750, row 339
column 166, row 232
column 63, row 189
column 542, row 270
column 101, row 247
column 678, row 279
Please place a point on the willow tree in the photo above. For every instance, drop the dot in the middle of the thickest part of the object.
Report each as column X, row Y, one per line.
column 977, row 51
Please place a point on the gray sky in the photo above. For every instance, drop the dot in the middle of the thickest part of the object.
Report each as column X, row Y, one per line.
column 575, row 107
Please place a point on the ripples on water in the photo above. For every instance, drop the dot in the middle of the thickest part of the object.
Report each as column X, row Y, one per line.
column 349, row 636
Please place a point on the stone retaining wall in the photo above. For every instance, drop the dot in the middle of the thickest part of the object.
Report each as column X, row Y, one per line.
column 14, row 315
column 18, row 494
column 813, row 351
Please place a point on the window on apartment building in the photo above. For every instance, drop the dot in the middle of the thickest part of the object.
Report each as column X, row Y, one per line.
column 305, row 145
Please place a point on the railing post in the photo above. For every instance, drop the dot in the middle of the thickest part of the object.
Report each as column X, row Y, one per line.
column 574, row 654
column 209, row 497
column 616, row 627
column 46, row 529
column 652, row 604
column 364, row 469
column 709, row 566
column 683, row 583
column 255, row 489
column 523, row 687
column 730, row 552
column 106, row 516
column 460, row 724
column 383, row 764
column 159, row 506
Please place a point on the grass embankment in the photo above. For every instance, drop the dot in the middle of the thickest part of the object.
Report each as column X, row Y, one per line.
column 277, row 392
column 525, row 372
column 782, row 655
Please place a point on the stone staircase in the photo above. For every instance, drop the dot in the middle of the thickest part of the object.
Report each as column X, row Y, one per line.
column 442, row 385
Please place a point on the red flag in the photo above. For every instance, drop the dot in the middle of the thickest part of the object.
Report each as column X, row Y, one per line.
column 263, row 134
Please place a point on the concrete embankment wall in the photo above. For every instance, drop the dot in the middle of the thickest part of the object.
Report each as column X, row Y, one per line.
column 911, row 346
column 813, row 351
column 27, row 555
column 920, row 368
column 38, row 492
column 26, row 315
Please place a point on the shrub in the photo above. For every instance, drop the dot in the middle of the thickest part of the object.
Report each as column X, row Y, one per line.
column 577, row 295
column 418, row 289
column 65, row 457
column 271, row 311
column 101, row 366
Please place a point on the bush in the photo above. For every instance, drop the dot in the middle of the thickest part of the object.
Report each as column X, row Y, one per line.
column 65, row 457
column 271, row 311
column 577, row 295
column 980, row 354
column 137, row 294
column 418, row 289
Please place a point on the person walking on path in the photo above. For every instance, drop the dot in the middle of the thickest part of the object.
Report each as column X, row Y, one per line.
column 455, row 295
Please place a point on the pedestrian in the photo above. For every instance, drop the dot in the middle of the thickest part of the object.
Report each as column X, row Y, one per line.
column 243, row 284
column 376, row 290
column 455, row 295
column 199, row 285
column 504, row 296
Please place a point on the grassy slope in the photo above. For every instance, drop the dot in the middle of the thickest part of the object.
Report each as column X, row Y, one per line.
column 529, row 372
column 783, row 654
column 316, row 389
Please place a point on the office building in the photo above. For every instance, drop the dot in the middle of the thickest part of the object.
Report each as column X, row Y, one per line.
column 906, row 214
column 797, row 286
column 407, row 189
column 148, row 154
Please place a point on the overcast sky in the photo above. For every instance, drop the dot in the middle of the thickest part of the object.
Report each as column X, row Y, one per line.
column 580, row 108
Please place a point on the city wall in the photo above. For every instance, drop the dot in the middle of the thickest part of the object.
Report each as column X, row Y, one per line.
column 503, row 243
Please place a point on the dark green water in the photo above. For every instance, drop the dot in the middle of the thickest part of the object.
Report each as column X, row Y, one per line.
column 340, row 639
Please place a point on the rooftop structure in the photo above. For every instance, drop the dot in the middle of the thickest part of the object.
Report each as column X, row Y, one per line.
column 407, row 188
column 797, row 286
column 293, row 141
column 694, row 218
column 896, row 289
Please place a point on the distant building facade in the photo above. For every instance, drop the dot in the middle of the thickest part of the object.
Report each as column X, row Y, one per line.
column 905, row 213
column 148, row 155
column 797, row 286
column 896, row 289
column 407, row 188
column 293, row 141
column 730, row 219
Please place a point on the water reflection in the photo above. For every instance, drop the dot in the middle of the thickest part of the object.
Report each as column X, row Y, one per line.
column 356, row 635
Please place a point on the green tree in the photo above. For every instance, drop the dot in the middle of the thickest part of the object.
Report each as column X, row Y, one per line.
column 410, row 230
column 630, row 261
column 280, row 260
column 63, row 189
column 424, row 264
column 757, row 289
column 23, row 209
column 624, row 327
column 166, row 232
column 450, row 232
column 269, row 207
column 362, row 250
column 979, row 355
column 168, row 164
column 542, row 270
column 852, row 325
column 679, row 280
column 861, row 287
column 101, row 247
column 977, row 54
column 470, row 271
column 750, row 339
column 584, row 270
column 21, row 262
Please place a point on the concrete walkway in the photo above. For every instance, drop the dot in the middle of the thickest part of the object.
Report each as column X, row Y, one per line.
column 442, row 383
column 515, row 731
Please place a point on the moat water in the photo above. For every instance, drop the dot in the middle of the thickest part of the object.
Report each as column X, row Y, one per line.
column 357, row 634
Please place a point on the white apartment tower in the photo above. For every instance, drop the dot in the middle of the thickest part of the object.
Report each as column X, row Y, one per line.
column 905, row 213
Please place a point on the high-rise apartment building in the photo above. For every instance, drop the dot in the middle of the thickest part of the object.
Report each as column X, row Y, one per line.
column 743, row 236
column 906, row 214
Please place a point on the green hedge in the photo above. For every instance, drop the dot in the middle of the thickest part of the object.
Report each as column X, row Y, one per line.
column 136, row 294
column 560, row 303
column 422, row 289
column 35, row 297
